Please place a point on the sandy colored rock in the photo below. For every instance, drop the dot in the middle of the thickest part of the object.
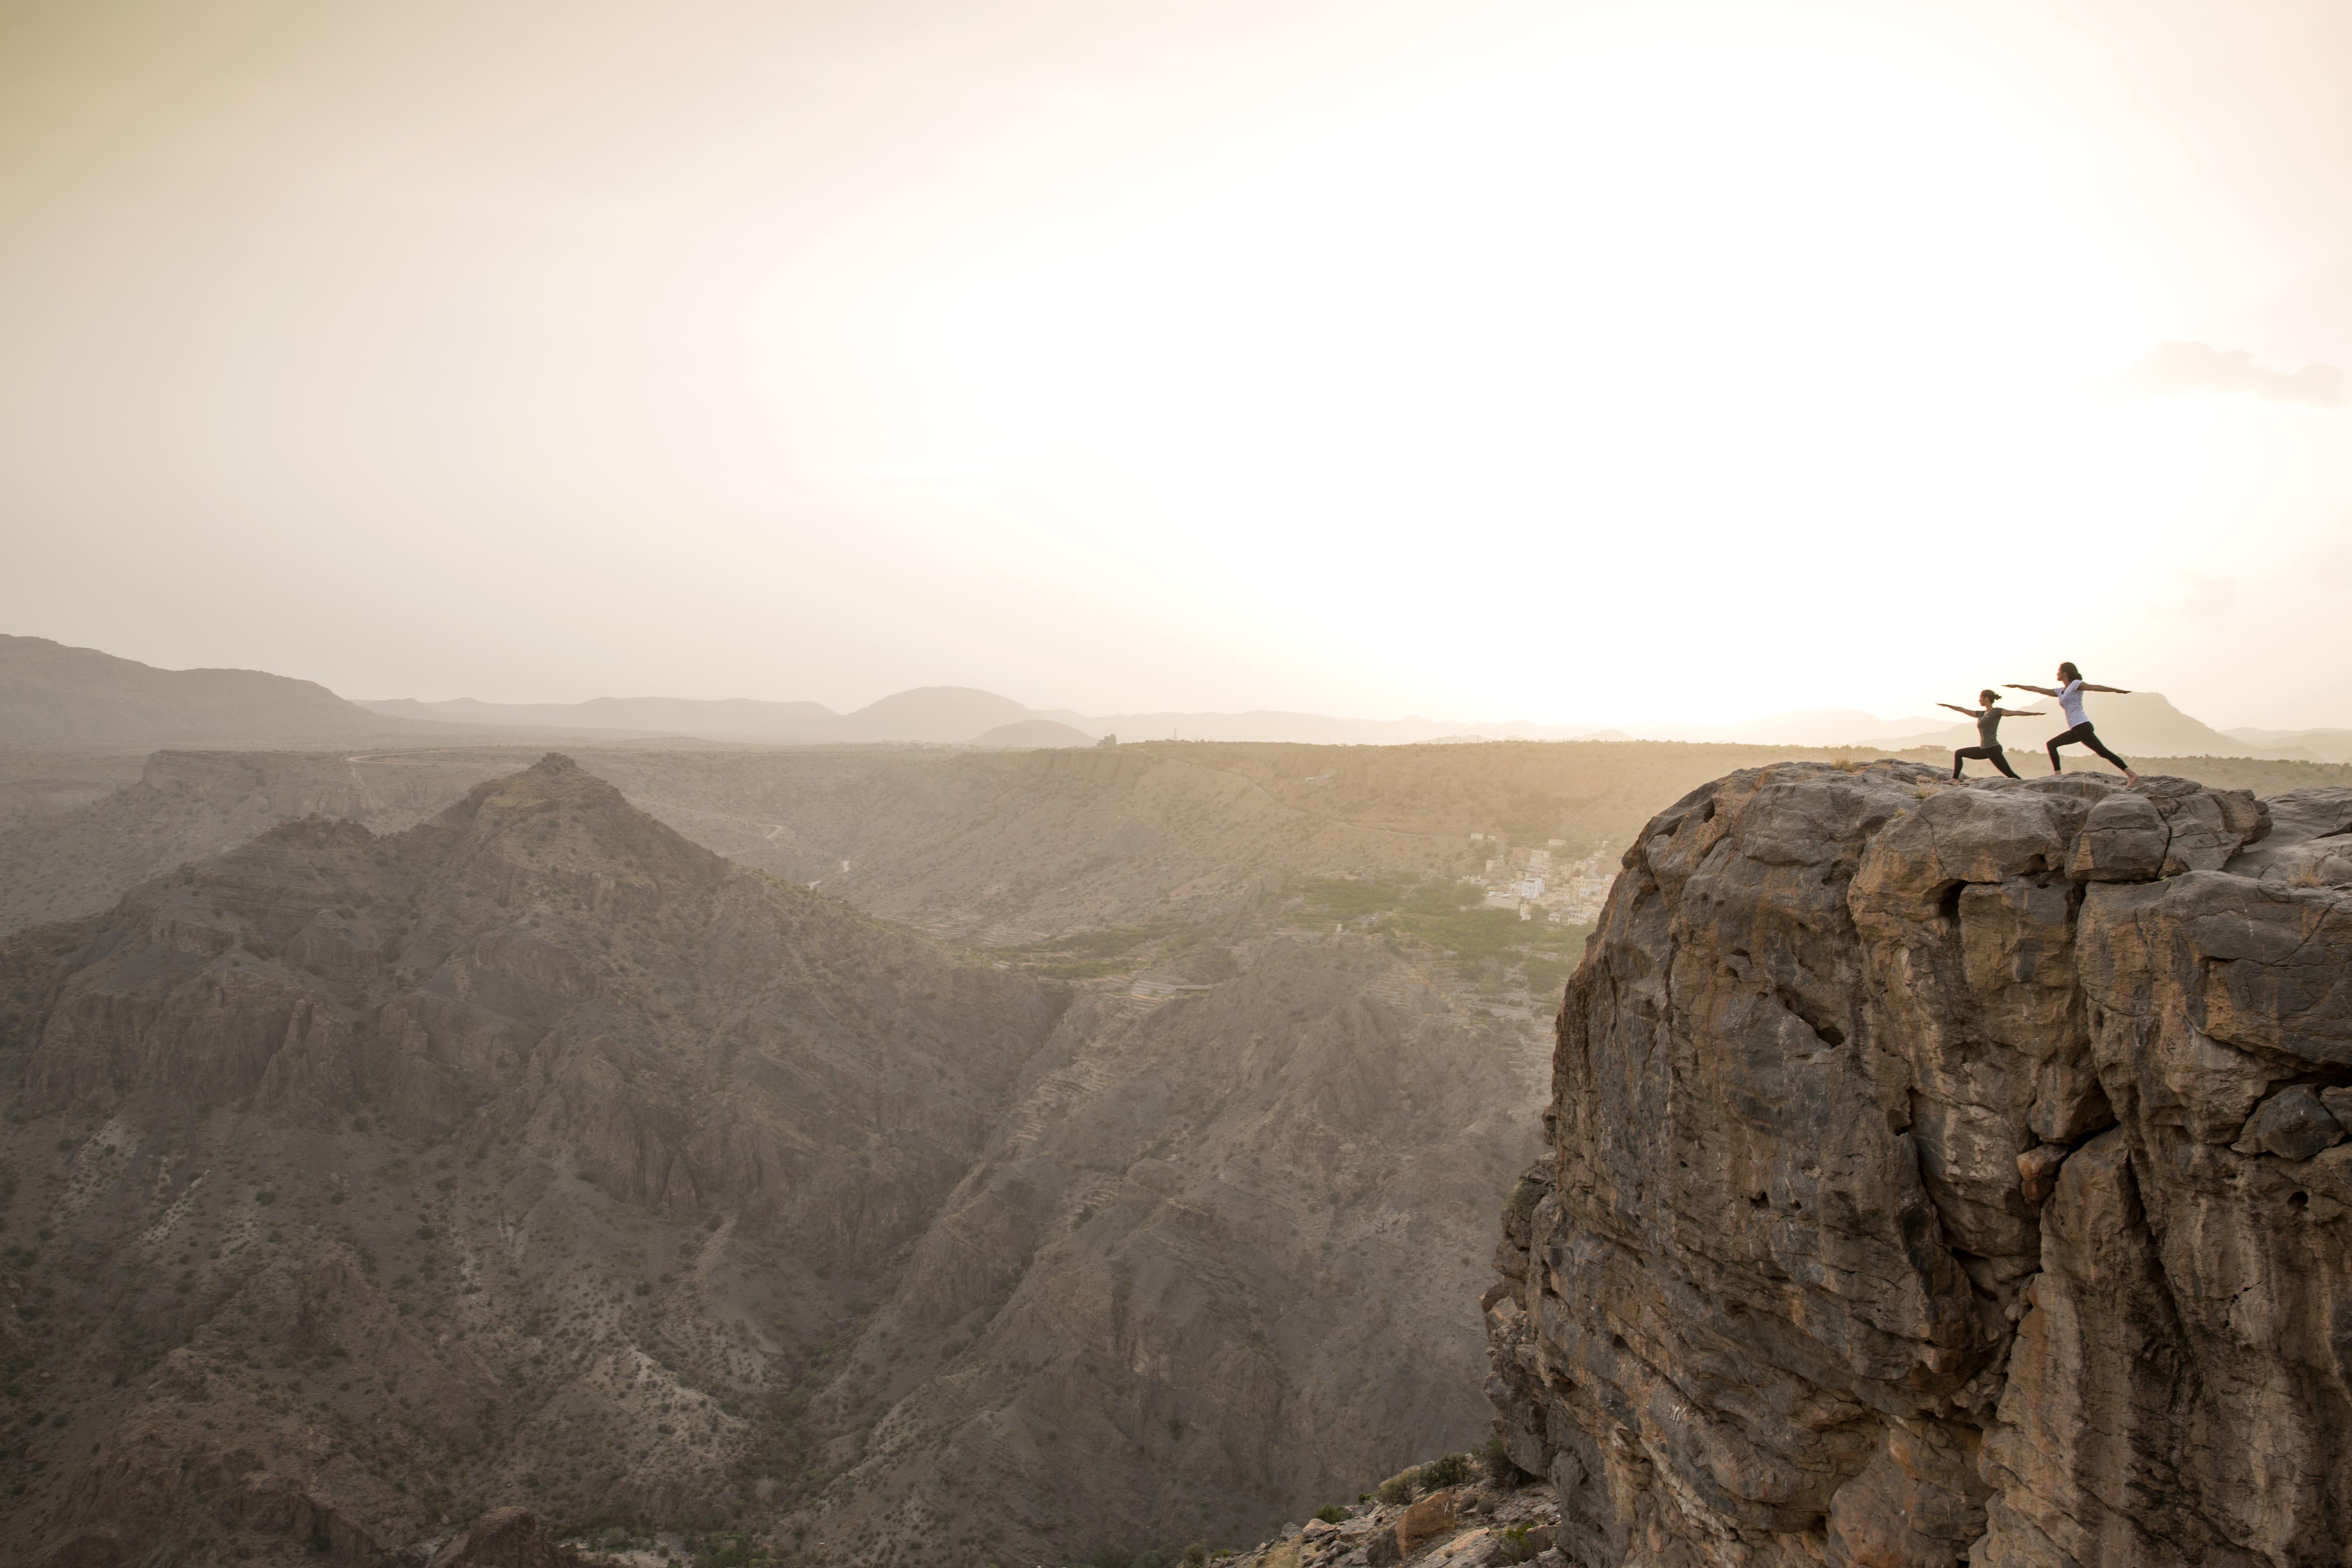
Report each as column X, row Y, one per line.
column 1894, row 1216
column 1434, row 1515
column 2037, row 1171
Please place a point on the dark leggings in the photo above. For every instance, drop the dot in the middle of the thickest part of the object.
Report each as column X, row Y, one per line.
column 1992, row 754
column 2082, row 735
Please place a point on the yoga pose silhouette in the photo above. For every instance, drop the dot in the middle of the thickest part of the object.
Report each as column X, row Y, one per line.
column 1988, row 718
column 2069, row 693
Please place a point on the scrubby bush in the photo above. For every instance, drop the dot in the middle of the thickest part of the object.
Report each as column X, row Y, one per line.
column 1398, row 1488
column 1447, row 1470
column 1330, row 1513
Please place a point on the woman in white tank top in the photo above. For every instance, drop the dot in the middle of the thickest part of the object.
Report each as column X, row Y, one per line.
column 2069, row 693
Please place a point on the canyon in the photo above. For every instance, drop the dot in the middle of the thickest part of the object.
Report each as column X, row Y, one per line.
column 1100, row 1154
column 535, row 1155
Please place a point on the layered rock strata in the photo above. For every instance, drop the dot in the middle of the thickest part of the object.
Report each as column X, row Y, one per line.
column 1948, row 1173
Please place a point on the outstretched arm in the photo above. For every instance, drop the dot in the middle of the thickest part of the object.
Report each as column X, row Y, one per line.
column 1958, row 709
column 2021, row 686
column 2118, row 691
column 2019, row 712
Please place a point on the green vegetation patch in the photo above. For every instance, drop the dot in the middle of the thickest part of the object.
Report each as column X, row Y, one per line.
column 1475, row 933
column 1439, row 912
column 1499, row 934
column 1086, row 954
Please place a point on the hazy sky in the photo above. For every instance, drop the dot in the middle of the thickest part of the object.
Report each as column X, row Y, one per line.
column 1564, row 362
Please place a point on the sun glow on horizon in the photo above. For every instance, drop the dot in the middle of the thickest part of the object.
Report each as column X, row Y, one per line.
column 1363, row 359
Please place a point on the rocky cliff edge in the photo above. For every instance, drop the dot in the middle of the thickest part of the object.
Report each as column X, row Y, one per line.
column 1948, row 1174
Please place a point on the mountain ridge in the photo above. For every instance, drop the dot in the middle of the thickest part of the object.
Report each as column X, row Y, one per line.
column 2324, row 746
column 679, row 1110
column 51, row 694
column 54, row 693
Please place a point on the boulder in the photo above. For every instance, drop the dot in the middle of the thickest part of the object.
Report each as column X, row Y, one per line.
column 1434, row 1515
column 2310, row 840
column 2124, row 841
column 2293, row 1124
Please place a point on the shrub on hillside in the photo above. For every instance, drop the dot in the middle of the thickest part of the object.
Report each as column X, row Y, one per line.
column 1447, row 1470
column 1330, row 1513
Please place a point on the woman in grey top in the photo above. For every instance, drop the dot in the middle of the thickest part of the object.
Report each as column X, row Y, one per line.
column 1988, row 718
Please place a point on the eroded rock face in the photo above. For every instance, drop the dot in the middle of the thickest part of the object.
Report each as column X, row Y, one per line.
column 363, row 1182
column 528, row 1155
column 1948, row 1173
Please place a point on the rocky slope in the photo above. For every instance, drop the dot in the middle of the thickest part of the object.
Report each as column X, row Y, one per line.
column 532, row 1154
column 535, row 1156
column 1445, row 1514
column 1948, row 1173
column 185, row 805
column 1210, row 1271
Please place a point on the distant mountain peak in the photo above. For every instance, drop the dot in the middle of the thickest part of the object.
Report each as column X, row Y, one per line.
column 52, row 693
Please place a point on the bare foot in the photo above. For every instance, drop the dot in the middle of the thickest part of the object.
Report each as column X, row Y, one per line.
column 2131, row 778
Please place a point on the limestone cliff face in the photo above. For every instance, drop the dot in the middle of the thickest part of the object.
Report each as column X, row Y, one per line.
column 1948, row 1173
